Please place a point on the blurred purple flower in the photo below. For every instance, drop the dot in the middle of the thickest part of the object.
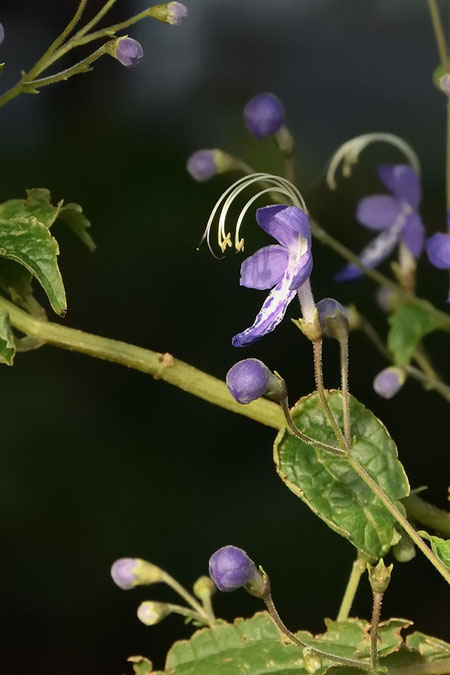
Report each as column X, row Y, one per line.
column 2, row 33
column 264, row 115
column 395, row 215
column 202, row 165
column 438, row 249
column 123, row 572
column 389, row 381
column 284, row 268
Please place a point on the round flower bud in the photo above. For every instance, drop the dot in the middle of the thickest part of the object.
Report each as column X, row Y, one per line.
column 250, row 379
column 444, row 83
column 438, row 249
column 130, row 572
column 389, row 381
column 230, row 568
column 204, row 164
column 379, row 576
column 2, row 33
column 176, row 13
column 151, row 612
column 311, row 661
column 204, row 588
column 264, row 115
column 128, row 51
column 404, row 550
column 333, row 318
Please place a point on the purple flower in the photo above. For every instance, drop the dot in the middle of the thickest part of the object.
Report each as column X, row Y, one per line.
column 128, row 51
column 177, row 12
column 230, row 568
column 264, row 115
column 2, row 33
column 284, row 268
column 389, row 381
column 438, row 249
column 396, row 215
column 123, row 574
column 202, row 165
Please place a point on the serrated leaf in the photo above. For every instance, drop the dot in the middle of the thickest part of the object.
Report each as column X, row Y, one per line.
column 389, row 638
column 330, row 487
column 439, row 546
column 7, row 346
column 408, row 325
column 432, row 649
column 36, row 204
column 73, row 216
column 29, row 242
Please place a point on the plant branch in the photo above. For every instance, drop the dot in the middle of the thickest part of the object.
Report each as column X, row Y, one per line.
column 438, row 32
column 427, row 514
column 358, row 569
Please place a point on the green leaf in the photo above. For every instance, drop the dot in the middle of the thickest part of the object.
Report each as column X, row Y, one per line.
column 15, row 279
column 7, row 345
column 73, row 216
column 439, row 546
column 29, row 242
column 330, row 487
column 141, row 665
column 432, row 649
column 408, row 325
column 37, row 204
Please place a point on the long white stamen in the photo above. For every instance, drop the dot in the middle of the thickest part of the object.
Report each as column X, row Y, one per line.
column 239, row 243
column 349, row 152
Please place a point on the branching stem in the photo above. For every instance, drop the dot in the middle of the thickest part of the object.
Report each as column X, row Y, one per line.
column 358, row 569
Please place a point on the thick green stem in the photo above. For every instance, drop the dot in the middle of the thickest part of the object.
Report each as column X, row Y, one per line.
column 317, row 350
column 427, row 514
column 358, row 569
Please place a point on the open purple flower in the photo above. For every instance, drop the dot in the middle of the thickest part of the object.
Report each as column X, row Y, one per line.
column 283, row 267
column 396, row 215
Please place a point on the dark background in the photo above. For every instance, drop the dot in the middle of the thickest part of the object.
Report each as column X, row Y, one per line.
column 98, row 461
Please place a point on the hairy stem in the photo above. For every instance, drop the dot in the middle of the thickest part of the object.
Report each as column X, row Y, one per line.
column 343, row 350
column 317, row 350
column 303, row 437
column 358, row 569
column 376, row 611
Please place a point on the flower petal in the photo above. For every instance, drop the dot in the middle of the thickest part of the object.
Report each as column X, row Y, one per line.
column 414, row 234
column 302, row 271
column 284, row 223
column 438, row 249
column 378, row 212
column 373, row 254
column 403, row 181
column 265, row 268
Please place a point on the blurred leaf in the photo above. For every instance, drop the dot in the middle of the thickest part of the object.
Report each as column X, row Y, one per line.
column 432, row 649
column 408, row 325
column 73, row 216
column 330, row 487
column 29, row 242
column 439, row 546
column 7, row 346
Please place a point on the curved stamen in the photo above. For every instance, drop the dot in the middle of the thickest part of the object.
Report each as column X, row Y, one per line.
column 349, row 152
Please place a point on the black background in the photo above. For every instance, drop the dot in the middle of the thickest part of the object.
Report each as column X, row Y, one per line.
column 98, row 461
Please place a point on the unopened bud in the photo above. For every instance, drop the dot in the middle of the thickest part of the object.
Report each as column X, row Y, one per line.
column 444, row 84
column 172, row 13
column 151, row 612
column 204, row 588
column 250, row 379
column 333, row 318
column 311, row 661
column 130, row 572
column 379, row 576
column 404, row 550
column 126, row 50
column 204, row 164
column 2, row 33
column 230, row 568
column 389, row 381
column 264, row 115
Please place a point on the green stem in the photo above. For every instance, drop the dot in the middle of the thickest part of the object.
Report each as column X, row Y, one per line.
column 447, row 163
column 343, row 350
column 185, row 611
column 321, row 235
column 161, row 366
column 317, row 350
column 183, row 593
column 438, row 32
column 376, row 611
column 80, row 67
column 303, row 437
column 358, row 569
column 427, row 514
column 399, row 517
column 95, row 20
column 324, row 655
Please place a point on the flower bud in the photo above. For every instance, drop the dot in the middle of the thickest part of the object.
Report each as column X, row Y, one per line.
column 126, row 50
column 204, row 164
column 311, row 661
column 438, row 249
column 204, row 588
column 2, row 33
column 264, row 115
column 379, row 576
column 130, row 572
column 230, row 568
column 389, row 381
column 404, row 550
column 151, row 612
column 444, row 84
column 250, row 379
column 172, row 13
column 333, row 318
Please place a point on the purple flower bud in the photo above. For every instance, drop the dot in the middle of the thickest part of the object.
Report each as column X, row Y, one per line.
column 177, row 13
column 264, row 115
column 202, row 165
column 248, row 380
column 389, row 381
column 128, row 51
column 333, row 318
column 438, row 249
column 2, row 33
column 230, row 568
column 122, row 572
column 444, row 83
